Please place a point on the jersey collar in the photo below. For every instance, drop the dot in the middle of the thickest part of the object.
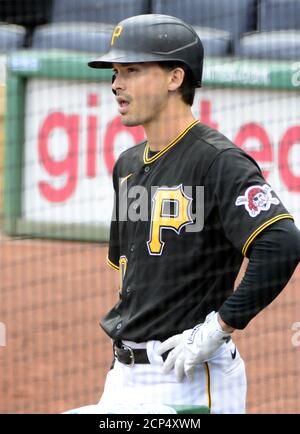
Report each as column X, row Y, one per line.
column 156, row 156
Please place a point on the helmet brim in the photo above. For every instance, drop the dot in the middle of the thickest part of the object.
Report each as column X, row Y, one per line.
column 121, row 56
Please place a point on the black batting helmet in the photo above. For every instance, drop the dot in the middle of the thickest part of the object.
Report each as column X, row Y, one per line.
column 154, row 38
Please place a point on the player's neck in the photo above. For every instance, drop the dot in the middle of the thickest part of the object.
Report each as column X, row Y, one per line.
column 168, row 126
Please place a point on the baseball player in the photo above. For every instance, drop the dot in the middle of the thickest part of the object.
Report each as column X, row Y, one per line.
column 189, row 206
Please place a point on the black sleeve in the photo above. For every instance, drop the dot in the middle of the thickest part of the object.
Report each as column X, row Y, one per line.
column 246, row 203
column 274, row 256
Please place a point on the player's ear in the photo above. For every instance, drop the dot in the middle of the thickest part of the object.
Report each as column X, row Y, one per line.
column 176, row 78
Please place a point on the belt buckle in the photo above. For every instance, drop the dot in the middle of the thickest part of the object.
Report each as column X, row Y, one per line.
column 131, row 355
column 126, row 348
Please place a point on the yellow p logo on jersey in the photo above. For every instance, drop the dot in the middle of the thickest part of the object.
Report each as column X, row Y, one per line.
column 163, row 218
column 117, row 32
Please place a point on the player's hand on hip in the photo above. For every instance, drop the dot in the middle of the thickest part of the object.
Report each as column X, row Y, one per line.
column 193, row 346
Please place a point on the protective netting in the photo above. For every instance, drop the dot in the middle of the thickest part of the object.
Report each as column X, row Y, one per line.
column 60, row 135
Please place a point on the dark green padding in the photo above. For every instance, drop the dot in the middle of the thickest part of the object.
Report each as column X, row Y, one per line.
column 191, row 409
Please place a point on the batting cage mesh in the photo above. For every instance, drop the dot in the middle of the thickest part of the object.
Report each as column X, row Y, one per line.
column 60, row 136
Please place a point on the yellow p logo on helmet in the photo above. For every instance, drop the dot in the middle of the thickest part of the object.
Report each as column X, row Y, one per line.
column 117, row 32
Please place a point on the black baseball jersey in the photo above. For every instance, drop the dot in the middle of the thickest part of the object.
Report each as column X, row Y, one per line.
column 183, row 219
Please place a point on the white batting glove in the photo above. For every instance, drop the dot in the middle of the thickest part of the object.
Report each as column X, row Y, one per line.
column 193, row 346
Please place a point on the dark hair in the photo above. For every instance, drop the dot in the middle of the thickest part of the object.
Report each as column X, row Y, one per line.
column 188, row 86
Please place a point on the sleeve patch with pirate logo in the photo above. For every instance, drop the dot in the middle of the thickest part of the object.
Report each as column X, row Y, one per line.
column 256, row 199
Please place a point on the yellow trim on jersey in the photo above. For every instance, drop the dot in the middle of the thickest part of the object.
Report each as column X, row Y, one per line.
column 122, row 269
column 112, row 265
column 261, row 228
column 207, row 384
column 125, row 177
column 169, row 146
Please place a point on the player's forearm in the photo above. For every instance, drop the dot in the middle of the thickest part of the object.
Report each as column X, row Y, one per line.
column 274, row 257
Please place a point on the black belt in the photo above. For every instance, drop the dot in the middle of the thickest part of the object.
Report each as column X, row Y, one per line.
column 129, row 356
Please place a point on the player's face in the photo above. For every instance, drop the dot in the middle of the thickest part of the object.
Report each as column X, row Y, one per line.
column 141, row 92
